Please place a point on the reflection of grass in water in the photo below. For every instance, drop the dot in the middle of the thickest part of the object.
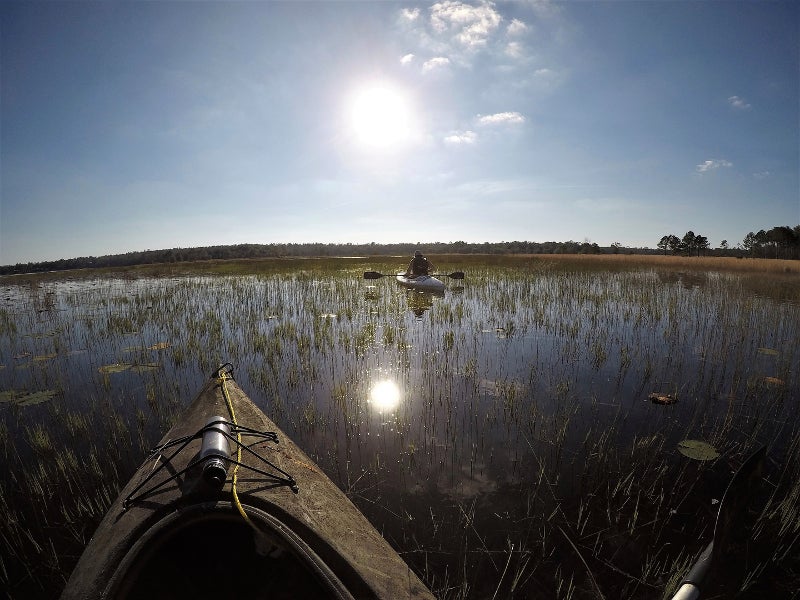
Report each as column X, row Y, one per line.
column 503, row 439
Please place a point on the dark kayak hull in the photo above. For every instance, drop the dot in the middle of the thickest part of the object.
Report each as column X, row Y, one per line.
column 187, row 539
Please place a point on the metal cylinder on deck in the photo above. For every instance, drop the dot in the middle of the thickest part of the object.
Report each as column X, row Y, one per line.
column 215, row 451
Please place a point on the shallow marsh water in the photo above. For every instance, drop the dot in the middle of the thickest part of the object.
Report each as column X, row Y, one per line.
column 521, row 456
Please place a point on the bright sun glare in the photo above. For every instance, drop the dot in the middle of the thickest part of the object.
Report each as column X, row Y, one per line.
column 385, row 395
column 381, row 116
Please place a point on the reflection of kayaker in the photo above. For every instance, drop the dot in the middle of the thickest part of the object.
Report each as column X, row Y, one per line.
column 228, row 506
column 419, row 302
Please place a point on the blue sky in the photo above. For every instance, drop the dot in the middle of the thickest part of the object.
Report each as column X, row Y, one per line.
column 132, row 126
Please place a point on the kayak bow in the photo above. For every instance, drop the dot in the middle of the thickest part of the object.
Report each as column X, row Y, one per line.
column 231, row 507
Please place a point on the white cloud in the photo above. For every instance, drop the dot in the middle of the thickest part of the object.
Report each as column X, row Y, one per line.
column 511, row 118
column 711, row 165
column 471, row 26
column 516, row 27
column 460, row 138
column 410, row 14
column 514, row 50
column 739, row 103
column 436, row 63
column 407, row 59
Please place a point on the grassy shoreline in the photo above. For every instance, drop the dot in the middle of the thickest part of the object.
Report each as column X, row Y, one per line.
column 243, row 266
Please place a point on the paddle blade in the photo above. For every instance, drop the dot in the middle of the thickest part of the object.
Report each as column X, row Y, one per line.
column 456, row 275
column 735, row 519
column 372, row 275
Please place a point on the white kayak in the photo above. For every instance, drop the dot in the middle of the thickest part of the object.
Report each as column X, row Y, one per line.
column 423, row 283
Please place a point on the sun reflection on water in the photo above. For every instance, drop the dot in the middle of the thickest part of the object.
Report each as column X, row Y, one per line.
column 385, row 395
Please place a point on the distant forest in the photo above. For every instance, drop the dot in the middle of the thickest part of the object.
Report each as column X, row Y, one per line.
column 778, row 242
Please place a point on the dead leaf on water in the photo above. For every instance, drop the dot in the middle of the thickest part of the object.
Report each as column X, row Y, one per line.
column 159, row 346
column 145, row 367
column 44, row 357
column 768, row 351
column 114, row 368
column 659, row 398
column 774, row 381
column 697, row 450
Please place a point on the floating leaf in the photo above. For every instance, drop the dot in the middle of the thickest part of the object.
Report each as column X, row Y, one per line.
column 145, row 367
column 774, row 381
column 21, row 356
column 658, row 398
column 44, row 357
column 114, row 368
column 159, row 346
column 27, row 399
column 768, row 351
column 697, row 450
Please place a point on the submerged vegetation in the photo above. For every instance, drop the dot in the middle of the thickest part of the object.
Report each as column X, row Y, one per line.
column 520, row 453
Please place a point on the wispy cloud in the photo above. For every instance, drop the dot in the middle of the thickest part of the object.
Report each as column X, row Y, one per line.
column 503, row 118
column 460, row 31
column 470, row 26
column 713, row 164
column 409, row 14
column 461, row 138
column 439, row 62
column 739, row 103
column 762, row 175
column 516, row 27
column 514, row 50
column 407, row 59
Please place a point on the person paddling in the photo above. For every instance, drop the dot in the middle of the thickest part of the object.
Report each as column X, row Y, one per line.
column 419, row 265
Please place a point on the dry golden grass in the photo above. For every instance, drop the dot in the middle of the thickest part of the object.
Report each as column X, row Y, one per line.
column 706, row 263
column 703, row 263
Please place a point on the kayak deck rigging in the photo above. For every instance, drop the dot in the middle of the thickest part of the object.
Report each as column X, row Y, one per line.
column 174, row 530
column 281, row 478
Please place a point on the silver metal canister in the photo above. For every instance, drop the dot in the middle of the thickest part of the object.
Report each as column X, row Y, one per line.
column 215, row 451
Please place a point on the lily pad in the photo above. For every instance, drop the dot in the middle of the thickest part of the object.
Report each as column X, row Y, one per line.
column 697, row 450
column 768, row 351
column 114, row 368
column 659, row 398
column 145, row 367
column 25, row 398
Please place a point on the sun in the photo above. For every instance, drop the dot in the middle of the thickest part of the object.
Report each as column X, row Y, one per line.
column 381, row 116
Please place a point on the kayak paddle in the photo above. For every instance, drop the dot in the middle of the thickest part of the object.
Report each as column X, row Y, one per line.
column 376, row 275
column 731, row 510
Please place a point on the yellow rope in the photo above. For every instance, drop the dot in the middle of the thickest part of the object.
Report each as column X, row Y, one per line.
column 223, row 376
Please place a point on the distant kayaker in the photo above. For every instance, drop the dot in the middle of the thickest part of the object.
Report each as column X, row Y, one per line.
column 419, row 265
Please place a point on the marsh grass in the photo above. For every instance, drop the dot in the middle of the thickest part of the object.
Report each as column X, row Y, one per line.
column 525, row 459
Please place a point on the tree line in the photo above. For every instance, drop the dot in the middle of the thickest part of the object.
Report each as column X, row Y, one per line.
column 779, row 242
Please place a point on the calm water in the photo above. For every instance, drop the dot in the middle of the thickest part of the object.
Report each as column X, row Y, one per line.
column 517, row 424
